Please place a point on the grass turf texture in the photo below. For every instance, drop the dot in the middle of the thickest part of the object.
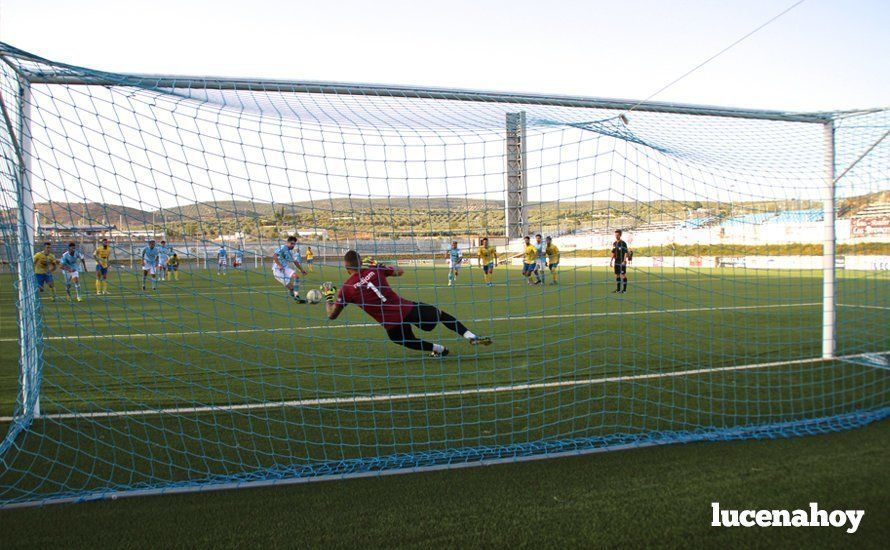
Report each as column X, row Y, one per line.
column 237, row 340
column 655, row 497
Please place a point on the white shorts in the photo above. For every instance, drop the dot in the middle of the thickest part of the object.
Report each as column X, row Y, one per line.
column 541, row 264
column 163, row 262
column 455, row 267
column 283, row 276
column 223, row 261
column 236, row 262
column 71, row 275
column 149, row 267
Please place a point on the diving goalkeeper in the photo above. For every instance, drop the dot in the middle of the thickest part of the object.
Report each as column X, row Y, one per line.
column 368, row 288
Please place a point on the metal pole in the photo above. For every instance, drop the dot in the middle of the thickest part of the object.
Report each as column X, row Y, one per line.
column 410, row 92
column 516, row 196
column 29, row 324
column 829, row 289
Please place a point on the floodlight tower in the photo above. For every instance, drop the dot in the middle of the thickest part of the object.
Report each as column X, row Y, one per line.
column 516, row 203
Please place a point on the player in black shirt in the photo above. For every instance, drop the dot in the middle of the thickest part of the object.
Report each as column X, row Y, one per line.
column 620, row 256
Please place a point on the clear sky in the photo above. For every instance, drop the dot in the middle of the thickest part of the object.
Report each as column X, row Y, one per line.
column 824, row 54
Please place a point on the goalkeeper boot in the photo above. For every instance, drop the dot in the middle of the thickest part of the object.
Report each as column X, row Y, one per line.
column 480, row 341
column 442, row 353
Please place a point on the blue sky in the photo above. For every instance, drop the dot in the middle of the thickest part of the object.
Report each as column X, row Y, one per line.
column 824, row 54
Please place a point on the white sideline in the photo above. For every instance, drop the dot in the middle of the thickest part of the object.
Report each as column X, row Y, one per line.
column 353, row 325
column 865, row 306
column 437, row 394
column 183, row 290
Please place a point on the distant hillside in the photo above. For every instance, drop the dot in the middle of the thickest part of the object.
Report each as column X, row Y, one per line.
column 434, row 216
column 91, row 213
column 357, row 204
column 854, row 204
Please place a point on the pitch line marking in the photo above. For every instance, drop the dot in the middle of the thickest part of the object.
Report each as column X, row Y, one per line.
column 358, row 399
column 182, row 290
column 360, row 325
column 865, row 306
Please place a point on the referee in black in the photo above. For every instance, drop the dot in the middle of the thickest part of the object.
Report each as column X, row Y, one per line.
column 620, row 256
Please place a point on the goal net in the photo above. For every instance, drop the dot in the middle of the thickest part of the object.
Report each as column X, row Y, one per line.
column 747, row 296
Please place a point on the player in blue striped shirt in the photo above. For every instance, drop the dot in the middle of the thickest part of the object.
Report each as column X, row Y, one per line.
column 455, row 257
column 164, row 255
column 151, row 256
column 540, row 259
column 222, row 260
column 282, row 258
column 69, row 263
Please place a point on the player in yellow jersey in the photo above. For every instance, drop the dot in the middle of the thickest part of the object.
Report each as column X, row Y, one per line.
column 310, row 258
column 552, row 260
column 44, row 265
column 173, row 266
column 529, row 257
column 487, row 259
column 102, row 255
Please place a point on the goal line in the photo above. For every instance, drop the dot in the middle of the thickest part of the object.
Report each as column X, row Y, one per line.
column 360, row 399
column 480, row 320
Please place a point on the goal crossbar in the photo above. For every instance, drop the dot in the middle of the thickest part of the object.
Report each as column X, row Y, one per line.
column 71, row 75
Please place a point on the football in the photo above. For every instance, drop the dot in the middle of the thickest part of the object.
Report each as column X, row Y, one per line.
column 314, row 296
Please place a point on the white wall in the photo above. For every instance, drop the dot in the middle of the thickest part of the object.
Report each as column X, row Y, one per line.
column 865, row 263
column 771, row 233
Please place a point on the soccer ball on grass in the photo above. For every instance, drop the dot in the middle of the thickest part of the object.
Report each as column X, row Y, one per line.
column 314, row 296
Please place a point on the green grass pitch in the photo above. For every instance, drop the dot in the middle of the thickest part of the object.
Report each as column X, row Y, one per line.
column 654, row 498
column 213, row 377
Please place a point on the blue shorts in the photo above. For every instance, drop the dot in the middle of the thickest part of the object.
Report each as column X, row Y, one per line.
column 172, row 268
column 487, row 268
column 528, row 268
column 309, row 261
column 43, row 278
column 554, row 265
column 101, row 270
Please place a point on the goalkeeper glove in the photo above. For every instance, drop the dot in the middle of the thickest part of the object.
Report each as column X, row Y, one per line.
column 329, row 292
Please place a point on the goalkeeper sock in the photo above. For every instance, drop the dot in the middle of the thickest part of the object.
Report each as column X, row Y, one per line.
column 469, row 335
column 625, row 284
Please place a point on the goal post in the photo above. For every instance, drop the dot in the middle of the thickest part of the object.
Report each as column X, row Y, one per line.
column 829, row 263
column 16, row 119
column 704, row 273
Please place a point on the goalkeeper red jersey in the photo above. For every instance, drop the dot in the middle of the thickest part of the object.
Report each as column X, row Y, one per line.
column 369, row 290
